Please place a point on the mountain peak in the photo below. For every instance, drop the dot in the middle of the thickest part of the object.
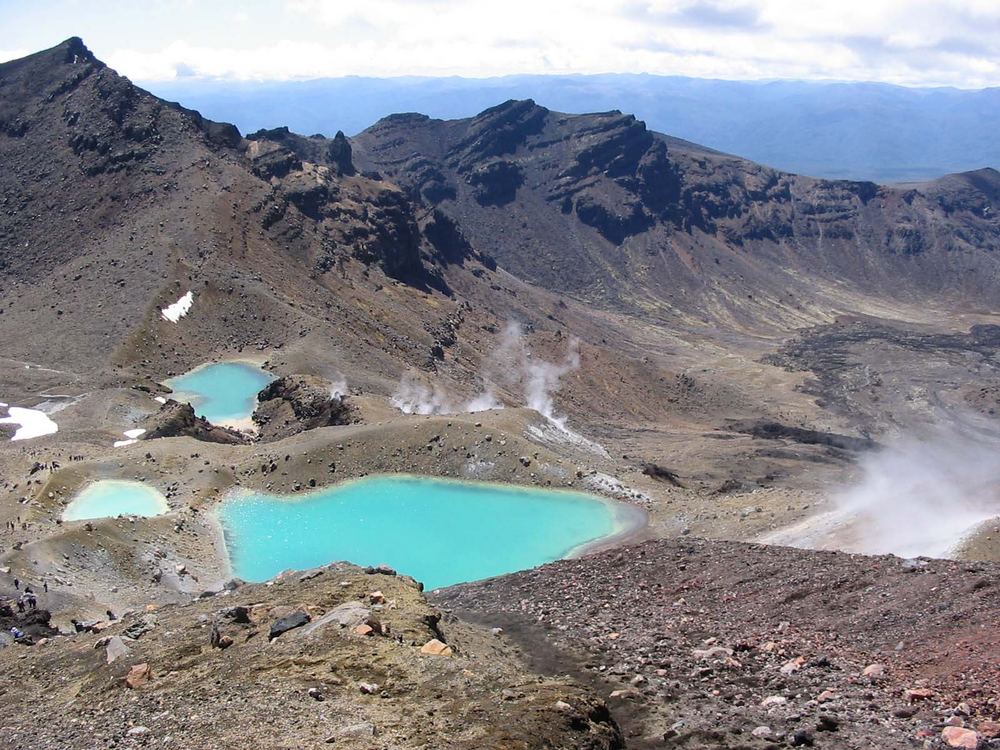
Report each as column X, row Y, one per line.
column 75, row 48
column 71, row 51
column 519, row 106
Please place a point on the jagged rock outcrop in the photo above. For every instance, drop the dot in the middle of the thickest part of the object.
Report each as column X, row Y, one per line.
column 495, row 183
column 294, row 403
column 175, row 419
column 362, row 217
column 317, row 149
column 497, row 131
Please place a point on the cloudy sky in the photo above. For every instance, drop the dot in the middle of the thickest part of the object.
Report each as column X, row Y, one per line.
column 913, row 42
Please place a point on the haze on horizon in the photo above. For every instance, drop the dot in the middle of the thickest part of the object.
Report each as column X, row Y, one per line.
column 929, row 43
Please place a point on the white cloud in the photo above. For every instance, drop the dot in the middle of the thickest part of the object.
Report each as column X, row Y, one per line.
column 901, row 41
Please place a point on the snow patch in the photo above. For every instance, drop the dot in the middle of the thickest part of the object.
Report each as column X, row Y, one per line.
column 31, row 423
column 160, row 400
column 178, row 309
column 132, row 435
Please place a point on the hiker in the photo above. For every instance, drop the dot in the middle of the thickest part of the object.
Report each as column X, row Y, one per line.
column 20, row 605
column 111, row 615
column 17, row 584
column 45, row 586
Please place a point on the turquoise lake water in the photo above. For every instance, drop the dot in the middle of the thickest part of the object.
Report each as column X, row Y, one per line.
column 440, row 532
column 222, row 393
column 109, row 498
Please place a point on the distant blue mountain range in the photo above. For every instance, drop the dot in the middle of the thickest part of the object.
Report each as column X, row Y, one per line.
column 865, row 131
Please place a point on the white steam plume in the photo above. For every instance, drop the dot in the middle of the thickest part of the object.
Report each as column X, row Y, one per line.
column 413, row 396
column 921, row 496
column 513, row 365
column 338, row 386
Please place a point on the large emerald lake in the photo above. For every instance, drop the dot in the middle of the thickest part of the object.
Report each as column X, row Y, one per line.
column 440, row 532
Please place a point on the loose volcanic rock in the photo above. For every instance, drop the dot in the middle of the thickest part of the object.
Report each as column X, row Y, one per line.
column 305, row 688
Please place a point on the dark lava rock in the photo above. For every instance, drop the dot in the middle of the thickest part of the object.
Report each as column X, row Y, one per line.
column 238, row 614
column 339, row 153
column 289, row 622
column 444, row 234
column 801, row 738
column 614, row 222
column 496, row 183
column 294, row 403
column 175, row 419
column 34, row 623
column 776, row 431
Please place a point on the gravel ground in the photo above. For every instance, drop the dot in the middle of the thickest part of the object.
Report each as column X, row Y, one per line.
column 719, row 644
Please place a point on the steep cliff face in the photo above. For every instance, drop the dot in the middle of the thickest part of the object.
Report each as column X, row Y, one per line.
column 601, row 206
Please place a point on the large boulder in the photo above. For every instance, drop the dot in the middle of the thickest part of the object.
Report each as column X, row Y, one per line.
column 294, row 403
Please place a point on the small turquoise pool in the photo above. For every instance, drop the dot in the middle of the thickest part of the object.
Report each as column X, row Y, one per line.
column 440, row 532
column 224, row 393
column 110, row 497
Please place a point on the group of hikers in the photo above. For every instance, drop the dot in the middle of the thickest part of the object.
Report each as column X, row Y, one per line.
column 27, row 599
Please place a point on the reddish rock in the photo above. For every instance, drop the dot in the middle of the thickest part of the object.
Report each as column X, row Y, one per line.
column 989, row 729
column 960, row 737
column 138, row 676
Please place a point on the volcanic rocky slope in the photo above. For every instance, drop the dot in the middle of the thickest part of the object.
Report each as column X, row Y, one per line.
column 711, row 644
column 370, row 256
column 704, row 293
column 116, row 203
column 600, row 206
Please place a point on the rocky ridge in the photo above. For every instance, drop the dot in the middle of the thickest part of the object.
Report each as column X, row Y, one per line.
column 597, row 204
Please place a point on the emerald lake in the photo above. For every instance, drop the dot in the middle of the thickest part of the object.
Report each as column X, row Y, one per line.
column 111, row 497
column 441, row 532
column 224, row 393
